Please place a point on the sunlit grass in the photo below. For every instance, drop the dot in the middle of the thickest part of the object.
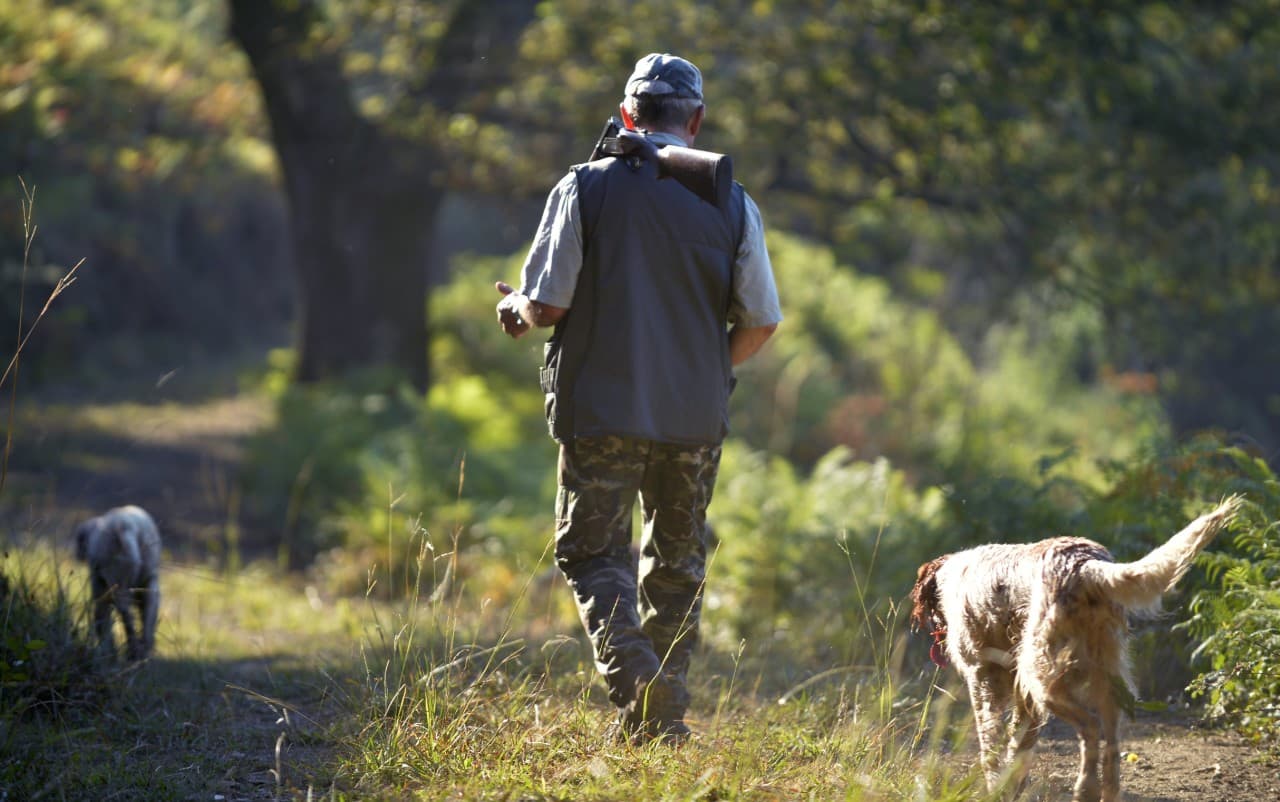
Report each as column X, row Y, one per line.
column 262, row 682
column 461, row 700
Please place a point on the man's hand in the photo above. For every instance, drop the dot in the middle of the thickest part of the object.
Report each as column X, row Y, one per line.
column 509, row 317
column 518, row 313
column 634, row 143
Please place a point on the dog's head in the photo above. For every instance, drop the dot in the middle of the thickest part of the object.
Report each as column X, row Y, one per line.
column 925, row 612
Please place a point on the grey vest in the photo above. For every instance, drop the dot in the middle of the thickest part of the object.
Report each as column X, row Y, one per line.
column 644, row 349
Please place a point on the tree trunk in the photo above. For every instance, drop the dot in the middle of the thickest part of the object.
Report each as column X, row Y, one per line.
column 361, row 205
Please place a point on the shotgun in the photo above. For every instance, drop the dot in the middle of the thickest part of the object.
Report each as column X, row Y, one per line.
column 707, row 175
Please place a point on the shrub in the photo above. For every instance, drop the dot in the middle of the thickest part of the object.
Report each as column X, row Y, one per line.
column 854, row 365
column 1238, row 614
column 807, row 559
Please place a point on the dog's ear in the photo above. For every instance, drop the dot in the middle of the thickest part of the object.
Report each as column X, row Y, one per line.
column 82, row 541
column 924, row 596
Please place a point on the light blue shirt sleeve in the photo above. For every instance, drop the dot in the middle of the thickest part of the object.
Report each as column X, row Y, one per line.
column 551, row 269
column 755, row 294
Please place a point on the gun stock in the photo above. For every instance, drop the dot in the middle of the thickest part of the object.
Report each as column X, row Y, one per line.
column 707, row 175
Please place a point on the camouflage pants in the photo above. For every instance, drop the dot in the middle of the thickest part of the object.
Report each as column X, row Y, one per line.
column 642, row 619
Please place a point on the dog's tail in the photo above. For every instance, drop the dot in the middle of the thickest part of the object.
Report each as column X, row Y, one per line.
column 1138, row 586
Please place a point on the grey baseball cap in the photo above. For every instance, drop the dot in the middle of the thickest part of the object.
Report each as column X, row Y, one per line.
column 665, row 74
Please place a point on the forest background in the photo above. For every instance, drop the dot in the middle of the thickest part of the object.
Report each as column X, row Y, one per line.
column 1028, row 256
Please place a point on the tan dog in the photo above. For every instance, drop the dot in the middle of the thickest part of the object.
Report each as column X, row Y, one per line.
column 122, row 548
column 1044, row 625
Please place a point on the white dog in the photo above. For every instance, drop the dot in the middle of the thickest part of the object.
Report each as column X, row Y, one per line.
column 1044, row 625
column 122, row 548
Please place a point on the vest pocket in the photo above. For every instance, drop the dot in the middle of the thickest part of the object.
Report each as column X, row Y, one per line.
column 549, row 409
column 548, row 378
column 549, row 373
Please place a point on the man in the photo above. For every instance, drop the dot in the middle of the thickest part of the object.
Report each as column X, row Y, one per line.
column 655, row 295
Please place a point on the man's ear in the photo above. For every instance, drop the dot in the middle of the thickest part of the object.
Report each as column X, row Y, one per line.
column 695, row 122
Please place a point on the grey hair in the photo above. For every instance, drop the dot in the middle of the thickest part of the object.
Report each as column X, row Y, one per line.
column 658, row 112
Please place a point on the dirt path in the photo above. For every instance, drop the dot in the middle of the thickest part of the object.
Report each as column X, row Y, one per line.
column 1167, row 757
column 175, row 457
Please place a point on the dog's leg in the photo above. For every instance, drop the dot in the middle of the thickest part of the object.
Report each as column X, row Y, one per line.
column 102, row 615
column 1087, row 787
column 148, row 599
column 1024, row 731
column 124, row 604
column 1110, row 715
column 989, row 692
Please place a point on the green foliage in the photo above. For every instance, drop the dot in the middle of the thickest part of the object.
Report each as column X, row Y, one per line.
column 805, row 559
column 367, row 461
column 849, row 365
column 307, row 468
column 855, row 365
column 865, row 441
column 357, row 467
column 1237, row 614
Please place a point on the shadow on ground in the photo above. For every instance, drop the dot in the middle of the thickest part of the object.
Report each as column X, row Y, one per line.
column 174, row 729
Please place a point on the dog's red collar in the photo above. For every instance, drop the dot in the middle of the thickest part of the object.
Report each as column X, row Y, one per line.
column 938, row 651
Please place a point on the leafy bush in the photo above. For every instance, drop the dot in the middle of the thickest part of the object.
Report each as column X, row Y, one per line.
column 849, row 366
column 853, row 365
column 307, row 468
column 369, row 466
column 1238, row 615
column 355, row 465
column 806, row 558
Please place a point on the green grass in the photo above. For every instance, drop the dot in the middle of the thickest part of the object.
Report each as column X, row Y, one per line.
column 263, row 688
